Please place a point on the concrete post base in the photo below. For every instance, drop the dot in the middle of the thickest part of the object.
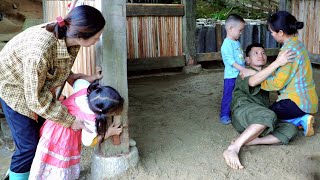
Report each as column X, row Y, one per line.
column 196, row 69
column 110, row 167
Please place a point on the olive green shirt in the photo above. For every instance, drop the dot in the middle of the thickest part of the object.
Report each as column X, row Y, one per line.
column 32, row 65
column 244, row 94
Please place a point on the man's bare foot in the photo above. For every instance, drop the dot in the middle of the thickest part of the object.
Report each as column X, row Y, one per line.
column 231, row 156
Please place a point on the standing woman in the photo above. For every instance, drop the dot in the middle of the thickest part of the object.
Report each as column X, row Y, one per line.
column 297, row 98
column 32, row 66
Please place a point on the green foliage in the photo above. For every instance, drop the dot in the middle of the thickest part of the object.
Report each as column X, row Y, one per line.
column 220, row 9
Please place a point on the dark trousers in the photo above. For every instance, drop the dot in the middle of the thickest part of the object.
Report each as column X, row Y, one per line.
column 228, row 87
column 25, row 133
column 286, row 109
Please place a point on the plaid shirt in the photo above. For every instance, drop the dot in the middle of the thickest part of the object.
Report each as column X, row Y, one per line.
column 294, row 80
column 32, row 65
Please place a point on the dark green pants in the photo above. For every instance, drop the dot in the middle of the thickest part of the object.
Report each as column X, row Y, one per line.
column 252, row 113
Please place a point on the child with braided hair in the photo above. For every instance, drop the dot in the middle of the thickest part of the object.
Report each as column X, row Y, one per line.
column 59, row 150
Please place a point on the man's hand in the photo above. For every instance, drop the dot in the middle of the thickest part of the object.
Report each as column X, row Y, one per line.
column 247, row 72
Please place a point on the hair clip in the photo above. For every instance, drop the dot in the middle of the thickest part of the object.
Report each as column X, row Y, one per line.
column 60, row 21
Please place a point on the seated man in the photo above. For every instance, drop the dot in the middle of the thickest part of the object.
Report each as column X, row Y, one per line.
column 250, row 114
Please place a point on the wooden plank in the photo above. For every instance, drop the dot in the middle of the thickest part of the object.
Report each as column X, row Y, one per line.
column 155, row 63
column 284, row 5
column 216, row 56
column 155, row 10
column 219, row 36
column 272, row 51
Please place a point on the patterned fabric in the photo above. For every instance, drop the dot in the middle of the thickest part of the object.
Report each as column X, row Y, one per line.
column 231, row 52
column 32, row 65
column 58, row 153
column 295, row 80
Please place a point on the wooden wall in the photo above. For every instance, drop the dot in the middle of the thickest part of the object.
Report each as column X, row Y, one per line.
column 154, row 30
column 308, row 11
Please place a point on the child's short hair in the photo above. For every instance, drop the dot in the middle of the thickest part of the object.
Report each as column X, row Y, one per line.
column 248, row 50
column 234, row 18
column 284, row 21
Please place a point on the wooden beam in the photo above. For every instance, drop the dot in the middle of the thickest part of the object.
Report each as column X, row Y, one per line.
column 179, row 61
column 155, row 63
column 216, row 56
column 314, row 58
column 213, row 56
column 188, row 31
column 136, row 9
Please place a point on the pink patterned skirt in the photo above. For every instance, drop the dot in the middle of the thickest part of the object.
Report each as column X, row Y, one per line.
column 58, row 153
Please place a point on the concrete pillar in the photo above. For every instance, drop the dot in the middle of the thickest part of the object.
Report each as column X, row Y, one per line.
column 112, row 57
column 111, row 160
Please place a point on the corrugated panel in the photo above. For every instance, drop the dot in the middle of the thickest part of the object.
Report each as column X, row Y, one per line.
column 153, row 36
column 308, row 11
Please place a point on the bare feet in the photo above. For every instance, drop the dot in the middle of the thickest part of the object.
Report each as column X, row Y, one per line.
column 231, row 156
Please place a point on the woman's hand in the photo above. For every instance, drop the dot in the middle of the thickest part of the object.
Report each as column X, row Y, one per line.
column 285, row 57
column 79, row 124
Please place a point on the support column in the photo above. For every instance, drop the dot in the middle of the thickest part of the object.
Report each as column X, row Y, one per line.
column 112, row 57
column 189, row 37
column 112, row 160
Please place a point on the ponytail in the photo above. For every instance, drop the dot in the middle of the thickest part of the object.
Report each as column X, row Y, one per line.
column 93, row 86
column 59, row 32
column 81, row 22
column 101, row 123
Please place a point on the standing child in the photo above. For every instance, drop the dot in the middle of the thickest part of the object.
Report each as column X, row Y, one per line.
column 59, row 150
column 232, row 56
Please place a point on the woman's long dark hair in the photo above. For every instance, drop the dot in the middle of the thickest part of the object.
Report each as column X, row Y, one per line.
column 282, row 20
column 103, row 100
column 81, row 22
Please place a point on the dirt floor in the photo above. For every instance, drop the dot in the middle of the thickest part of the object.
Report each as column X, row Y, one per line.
column 174, row 120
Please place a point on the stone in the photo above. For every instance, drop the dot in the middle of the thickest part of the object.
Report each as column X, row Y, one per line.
column 114, row 166
column 195, row 69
